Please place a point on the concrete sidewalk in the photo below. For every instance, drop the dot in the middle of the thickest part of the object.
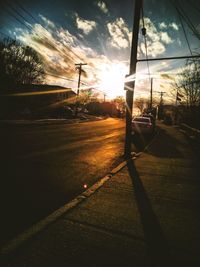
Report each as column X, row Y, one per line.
column 145, row 215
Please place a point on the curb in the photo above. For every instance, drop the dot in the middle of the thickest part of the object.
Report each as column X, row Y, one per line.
column 42, row 224
column 16, row 242
column 50, row 121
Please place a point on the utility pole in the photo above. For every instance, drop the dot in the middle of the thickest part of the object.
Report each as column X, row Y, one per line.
column 151, row 94
column 176, row 107
column 161, row 97
column 176, row 102
column 79, row 67
column 132, row 71
column 160, row 110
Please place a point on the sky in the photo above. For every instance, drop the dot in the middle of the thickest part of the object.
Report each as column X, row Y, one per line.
column 99, row 33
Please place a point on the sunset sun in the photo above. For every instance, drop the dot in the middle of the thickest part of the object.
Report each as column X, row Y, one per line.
column 112, row 79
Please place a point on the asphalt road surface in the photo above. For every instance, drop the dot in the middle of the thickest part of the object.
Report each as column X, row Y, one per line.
column 45, row 166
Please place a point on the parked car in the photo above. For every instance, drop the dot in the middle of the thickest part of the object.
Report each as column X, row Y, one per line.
column 142, row 125
column 152, row 118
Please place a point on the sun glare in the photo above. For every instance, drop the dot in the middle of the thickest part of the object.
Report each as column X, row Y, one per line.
column 112, row 79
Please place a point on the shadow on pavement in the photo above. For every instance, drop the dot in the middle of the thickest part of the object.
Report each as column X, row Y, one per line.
column 157, row 249
column 165, row 146
column 140, row 141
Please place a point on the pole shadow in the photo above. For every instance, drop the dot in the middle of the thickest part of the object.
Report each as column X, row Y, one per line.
column 158, row 253
column 140, row 141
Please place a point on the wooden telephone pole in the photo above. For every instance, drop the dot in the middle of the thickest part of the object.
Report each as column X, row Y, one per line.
column 151, row 94
column 160, row 107
column 131, row 85
column 79, row 67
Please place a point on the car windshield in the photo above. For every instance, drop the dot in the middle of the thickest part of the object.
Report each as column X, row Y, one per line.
column 139, row 119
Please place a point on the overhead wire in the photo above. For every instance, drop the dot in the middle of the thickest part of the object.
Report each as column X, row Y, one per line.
column 26, row 11
column 13, row 16
column 194, row 6
column 145, row 42
column 4, row 34
column 24, row 21
column 183, row 28
column 28, row 25
column 36, row 21
column 45, row 35
column 183, row 15
column 21, row 16
column 187, row 19
column 67, row 79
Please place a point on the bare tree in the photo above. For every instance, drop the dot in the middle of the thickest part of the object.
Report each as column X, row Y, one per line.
column 141, row 103
column 19, row 64
column 120, row 103
column 188, row 83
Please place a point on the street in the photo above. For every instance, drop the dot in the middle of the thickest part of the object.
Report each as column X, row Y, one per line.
column 147, row 214
column 44, row 166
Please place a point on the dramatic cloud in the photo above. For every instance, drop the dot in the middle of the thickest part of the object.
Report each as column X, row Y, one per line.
column 164, row 37
column 60, row 50
column 57, row 49
column 153, row 50
column 120, row 34
column 174, row 26
column 65, row 37
column 156, row 39
column 102, row 6
column 47, row 22
column 85, row 25
column 163, row 25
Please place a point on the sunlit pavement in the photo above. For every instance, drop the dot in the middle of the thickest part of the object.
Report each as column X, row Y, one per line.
column 145, row 215
column 43, row 166
column 81, row 118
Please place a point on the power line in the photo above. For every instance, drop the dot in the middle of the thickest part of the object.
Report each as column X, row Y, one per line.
column 30, row 28
column 13, row 15
column 46, row 73
column 43, row 34
column 145, row 42
column 28, row 25
column 21, row 19
column 161, row 95
column 21, row 16
column 168, row 58
column 187, row 19
column 16, row 14
column 30, row 15
column 193, row 4
column 182, row 25
column 4, row 34
column 36, row 33
column 188, row 44
column 60, row 77
column 26, row 11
